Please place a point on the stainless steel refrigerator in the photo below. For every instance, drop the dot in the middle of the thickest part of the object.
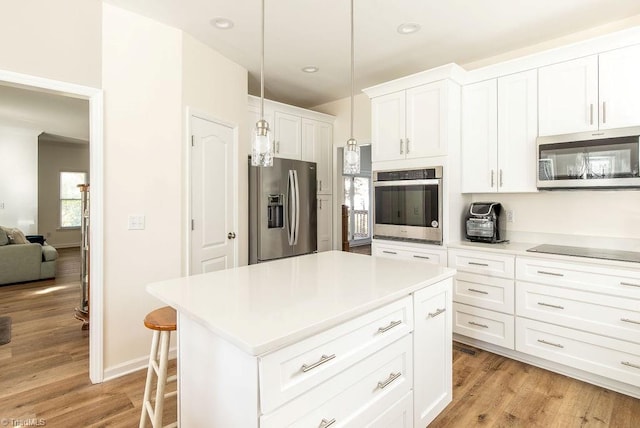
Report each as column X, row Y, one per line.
column 282, row 210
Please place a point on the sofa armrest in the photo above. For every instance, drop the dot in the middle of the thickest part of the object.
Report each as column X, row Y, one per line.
column 49, row 253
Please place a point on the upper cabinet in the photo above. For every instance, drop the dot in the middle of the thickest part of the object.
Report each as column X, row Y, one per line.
column 499, row 130
column 287, row 135
column 317, row 146
column 590, row 93
column 411, row 123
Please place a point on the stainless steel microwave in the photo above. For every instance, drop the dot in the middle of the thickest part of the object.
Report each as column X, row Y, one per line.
column 407, row 204
column 607, row 159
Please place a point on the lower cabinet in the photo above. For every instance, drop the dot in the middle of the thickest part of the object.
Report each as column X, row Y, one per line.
column 432, row 352
column 409, row 251
column 325, row 220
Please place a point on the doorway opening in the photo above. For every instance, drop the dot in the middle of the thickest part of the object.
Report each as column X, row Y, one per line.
column 357, row 197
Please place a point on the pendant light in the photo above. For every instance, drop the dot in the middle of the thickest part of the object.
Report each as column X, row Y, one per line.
column 261, row 148
column 352, row 150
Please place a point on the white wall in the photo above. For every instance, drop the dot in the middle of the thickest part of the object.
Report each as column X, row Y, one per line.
column 142, row 82
column 19, row 179
column 54, row 39
column 341, row 109
column 217, row 87
column 54, row 157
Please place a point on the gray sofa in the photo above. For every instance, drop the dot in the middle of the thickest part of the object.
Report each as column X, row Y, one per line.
column 27, row 262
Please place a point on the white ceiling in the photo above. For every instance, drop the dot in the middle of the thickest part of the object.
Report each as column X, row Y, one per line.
column 316, row 32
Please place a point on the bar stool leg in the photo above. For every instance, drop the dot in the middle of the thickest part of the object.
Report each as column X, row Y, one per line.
column 147, row 387
column 162, row 378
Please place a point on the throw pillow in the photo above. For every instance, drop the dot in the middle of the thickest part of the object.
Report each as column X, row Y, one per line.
column 4, row 239
column 16, row 236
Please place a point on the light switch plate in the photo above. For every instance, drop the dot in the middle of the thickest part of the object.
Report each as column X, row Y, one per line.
column 136, row 222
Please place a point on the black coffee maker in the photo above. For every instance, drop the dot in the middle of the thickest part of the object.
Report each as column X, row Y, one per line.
column 485, row 222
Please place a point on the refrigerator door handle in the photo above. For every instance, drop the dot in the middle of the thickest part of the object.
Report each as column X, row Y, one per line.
column 290, row 207
column 297, row 208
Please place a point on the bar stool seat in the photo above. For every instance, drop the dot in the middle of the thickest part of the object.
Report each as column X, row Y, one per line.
column 162, row 321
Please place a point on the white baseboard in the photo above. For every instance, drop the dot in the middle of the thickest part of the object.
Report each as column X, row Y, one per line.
column 68, row 245
column 131, row 366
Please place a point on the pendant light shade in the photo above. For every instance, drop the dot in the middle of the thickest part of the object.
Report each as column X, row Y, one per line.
column 352, row 150
column 261, row 147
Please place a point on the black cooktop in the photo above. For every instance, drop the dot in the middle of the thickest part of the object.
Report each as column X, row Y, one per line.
column 594, row 253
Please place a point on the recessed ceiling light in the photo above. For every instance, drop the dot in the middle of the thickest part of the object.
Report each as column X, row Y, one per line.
column 222, row 23
column 310, row 69
column 408, row 28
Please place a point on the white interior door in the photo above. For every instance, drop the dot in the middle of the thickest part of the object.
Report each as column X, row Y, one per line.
column 212, row 197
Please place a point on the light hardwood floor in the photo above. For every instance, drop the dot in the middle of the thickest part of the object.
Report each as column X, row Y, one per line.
column 44, row 375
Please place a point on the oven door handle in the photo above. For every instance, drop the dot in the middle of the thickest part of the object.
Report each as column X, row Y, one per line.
column 435, row 181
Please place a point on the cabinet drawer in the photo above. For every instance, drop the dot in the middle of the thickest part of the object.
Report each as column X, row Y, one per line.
column 400, row 415
column 481, row 324
column 289, row 372
column 602, row 314
column 426, row 255
column 354, row 397
column 496, row 294
column 484, row 263
column 596, row 354
column 580, row 276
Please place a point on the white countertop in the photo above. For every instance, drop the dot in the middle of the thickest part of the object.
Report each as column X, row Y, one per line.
column 263, row 307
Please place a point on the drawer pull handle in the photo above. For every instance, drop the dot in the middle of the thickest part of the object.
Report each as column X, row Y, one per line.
column 557, row 345
column 479, row 325
column 543, row 272
column 630, row 284
column 305, row 368
column 390, row 326
column 477, row 291
column 479, row 264
column 628, row 364
column 436, row 313
column 421, row 257
column 628, row 320
column 550, row 305
column 389, row 252
column 327, row 423
column 391, row 378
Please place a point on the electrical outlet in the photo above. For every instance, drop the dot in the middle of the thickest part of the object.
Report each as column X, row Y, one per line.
column 510, row 216
column 136, row 222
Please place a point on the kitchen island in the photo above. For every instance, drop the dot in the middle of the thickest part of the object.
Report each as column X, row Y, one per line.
column 329, row 339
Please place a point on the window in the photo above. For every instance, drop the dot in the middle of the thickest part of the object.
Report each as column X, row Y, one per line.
column 70, row 209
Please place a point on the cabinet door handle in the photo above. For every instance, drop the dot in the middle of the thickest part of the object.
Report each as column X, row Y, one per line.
column 421, row 257
column 557, row 345
column 492, row 178
column 477, row 291
column 327, row 423
column 436, row 313
column 479, row 264
column 628, row 364
column 401, row 147
column 501, row 184
column 389, row 252
column 550, row 305
column 320, row 203
column 542, row 272
column 278, row 147
column 478, row 324
column 407, row 143
column 590, row 114
column 391, row 378
column 630, row 284
column 305, row 368
column 628, row 320
column 320, row 185
column 604, row 112
column 390, row 326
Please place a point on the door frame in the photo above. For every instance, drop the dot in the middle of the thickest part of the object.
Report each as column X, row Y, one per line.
column 190, row 113
column 95, row 97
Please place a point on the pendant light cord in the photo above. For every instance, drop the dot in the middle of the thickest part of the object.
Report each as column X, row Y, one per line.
column 352, row 55
column 262, row 67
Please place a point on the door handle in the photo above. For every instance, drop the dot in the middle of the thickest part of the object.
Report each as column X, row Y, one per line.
column 231, row 235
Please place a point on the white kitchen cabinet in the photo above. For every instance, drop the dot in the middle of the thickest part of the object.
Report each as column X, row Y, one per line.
column 287, row 135
column 409, row 251
column 499, row 130
column 590, row 93
column 412, row 123
column 317, row 146
column 432, row 352
column 325, row 220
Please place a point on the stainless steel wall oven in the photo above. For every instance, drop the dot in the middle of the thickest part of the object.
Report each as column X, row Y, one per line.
column 408, row 204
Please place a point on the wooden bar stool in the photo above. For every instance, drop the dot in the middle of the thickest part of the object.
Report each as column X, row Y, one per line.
column 162, row 321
